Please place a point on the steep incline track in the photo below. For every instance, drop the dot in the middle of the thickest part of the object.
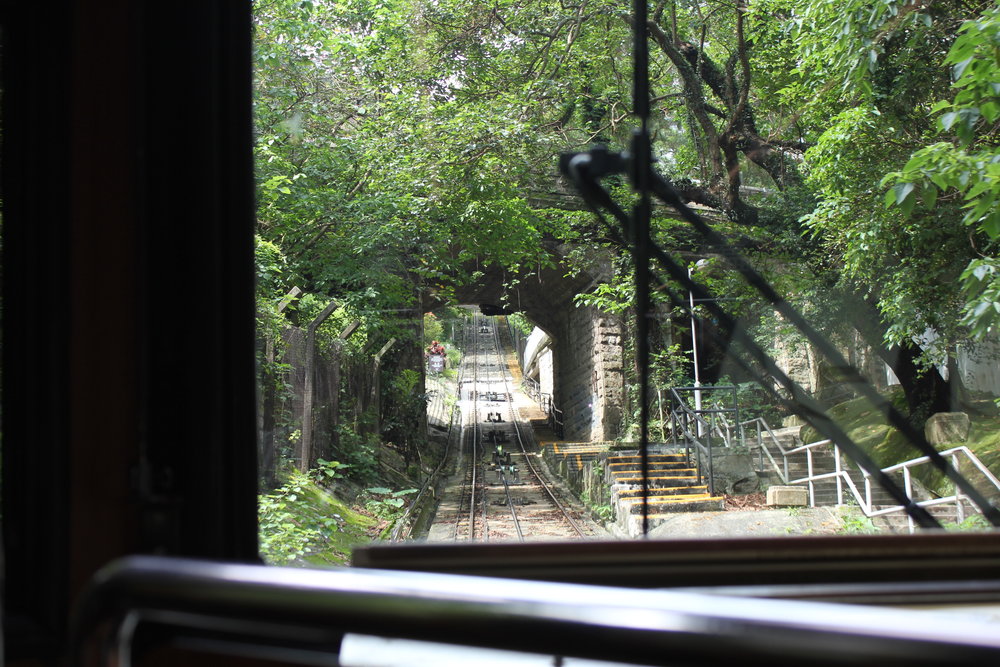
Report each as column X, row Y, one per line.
column 501, row 492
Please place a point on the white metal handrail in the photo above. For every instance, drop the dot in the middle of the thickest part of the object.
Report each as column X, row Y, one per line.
column 763, row 449
column 865, row 500
column 956, row 496
column 532, row 388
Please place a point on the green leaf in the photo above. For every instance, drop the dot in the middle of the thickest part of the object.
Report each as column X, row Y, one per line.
column 906, row 207
column 990, row 110
column 959, row 68
column 940, row 179
column 929, row 196
column 977, row 189
column 902, row 191
column 991, row 224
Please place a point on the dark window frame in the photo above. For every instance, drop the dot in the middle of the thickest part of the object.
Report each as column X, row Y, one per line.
column 128, row 360
column 128, row 379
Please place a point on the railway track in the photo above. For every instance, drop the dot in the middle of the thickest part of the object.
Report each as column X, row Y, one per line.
column 504, row 494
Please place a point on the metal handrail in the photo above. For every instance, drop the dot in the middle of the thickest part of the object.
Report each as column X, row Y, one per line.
column 696, row 415
column 716, row 414
column 554, row 414
column 781, row 470
column 532, row 388
column 956, row 497
column 306, row 613
column 700, row 449
column 865, row 500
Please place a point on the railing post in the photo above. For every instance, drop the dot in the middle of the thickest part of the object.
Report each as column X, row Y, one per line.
column 839, row 469
column 760, row 445
column 659, row 404
column 909, row 494
column 809, row 471
column 697, row 456
column 711, row 467
column 959, row 510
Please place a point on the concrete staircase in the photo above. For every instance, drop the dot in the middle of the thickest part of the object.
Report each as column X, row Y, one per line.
column 673, row 485
column 613, row 479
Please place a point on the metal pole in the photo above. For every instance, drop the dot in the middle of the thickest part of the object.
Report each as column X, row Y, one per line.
column 909, row 493
column 839, row 469
column 711, row 466
column 959, row 510
column 812, row 487
column 694, row 353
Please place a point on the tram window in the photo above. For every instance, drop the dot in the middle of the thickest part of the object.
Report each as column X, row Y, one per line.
column 128, row 395
column 343, row 95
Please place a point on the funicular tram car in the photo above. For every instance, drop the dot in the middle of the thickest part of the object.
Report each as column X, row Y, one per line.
column 126, row 155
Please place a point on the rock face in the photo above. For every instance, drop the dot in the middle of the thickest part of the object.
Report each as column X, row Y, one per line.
column 947, row 428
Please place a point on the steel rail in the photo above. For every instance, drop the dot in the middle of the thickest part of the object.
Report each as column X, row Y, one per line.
column 468, row 486
column 513, row 512
column 503, row 477
column 481, row 321
column 546, row 487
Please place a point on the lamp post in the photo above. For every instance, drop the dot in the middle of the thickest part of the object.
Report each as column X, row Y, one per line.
column 701, row 263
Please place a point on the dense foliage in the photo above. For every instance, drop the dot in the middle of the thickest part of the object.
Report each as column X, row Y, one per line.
column 849, row 148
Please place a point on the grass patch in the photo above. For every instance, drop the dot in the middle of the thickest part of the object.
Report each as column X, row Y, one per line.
column 304, row 524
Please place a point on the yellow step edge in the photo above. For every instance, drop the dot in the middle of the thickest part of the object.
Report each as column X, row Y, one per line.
column 691, row 500
column 664, row 515
column 624, row 492
column 699, row 500
column 639, row 479
column 679, row 472
column 636, row 457
column 657, row 463
column 668, row 499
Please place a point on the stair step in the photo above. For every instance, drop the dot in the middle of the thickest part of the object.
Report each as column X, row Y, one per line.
column 630, row 494
column 707, row 504
column 664, row 503
column 637, row 479
column 653, row 466
column 652, row 457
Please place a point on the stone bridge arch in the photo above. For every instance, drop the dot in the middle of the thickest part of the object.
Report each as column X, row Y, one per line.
column 587, row 345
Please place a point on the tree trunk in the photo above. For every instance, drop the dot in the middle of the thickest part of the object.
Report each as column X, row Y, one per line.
column 925, row 389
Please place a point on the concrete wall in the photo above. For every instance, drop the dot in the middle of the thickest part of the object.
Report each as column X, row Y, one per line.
column 588, row 370
column 546, row 377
